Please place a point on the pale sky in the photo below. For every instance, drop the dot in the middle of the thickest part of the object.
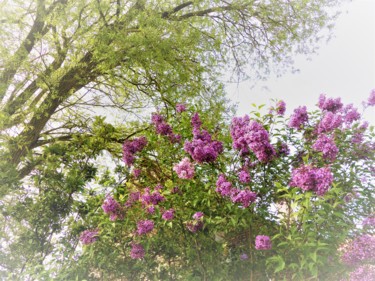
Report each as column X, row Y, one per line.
column 345, row 67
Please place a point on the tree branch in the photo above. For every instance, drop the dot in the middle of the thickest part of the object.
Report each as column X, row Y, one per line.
column 166, row 15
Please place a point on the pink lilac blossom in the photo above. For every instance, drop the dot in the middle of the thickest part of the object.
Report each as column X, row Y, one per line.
column 198, row 215
column 180, row 107
column 137, row 251
column 243, row 197
column 133, row 197
column 371, row 98
column 370, row 221
column 329, row 104
column 238, row 130
column 144, row 227
column 223, row 186
column 89, row 236
column 244, row 176
column 329, row 122
column 280, row 107
column 360, row 250
column 168, row 215
column 363, row 273
column 111, row 207
column 298, row 118
column 257, row 139
column 311, row 178
column 194, row 226
column 163, row 128
column 131, row 147
column 184, row 169
column 327, row 146
column 202, row 148
column 263, row 242
column 154, row 198
column 196, row 123
column 350, row 114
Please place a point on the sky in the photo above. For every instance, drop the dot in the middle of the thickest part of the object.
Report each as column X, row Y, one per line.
column 344, row 67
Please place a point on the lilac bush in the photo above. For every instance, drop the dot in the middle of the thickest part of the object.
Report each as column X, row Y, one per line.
column 293, row 181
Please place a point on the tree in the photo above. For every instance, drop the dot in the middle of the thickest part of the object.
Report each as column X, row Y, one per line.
column 61, row 59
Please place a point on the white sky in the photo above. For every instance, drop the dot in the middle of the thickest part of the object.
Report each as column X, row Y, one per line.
column 345, row 67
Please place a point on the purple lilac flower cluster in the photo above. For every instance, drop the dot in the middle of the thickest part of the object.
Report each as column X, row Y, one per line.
column 280, row 107
column 360, row 250
column 148, row 198
column 250, row 134
column 370, row 221
column 350, row 114
column 244, row 176
column 137, row 251
column 184, row 169
column 180, row 107
column 329, row 122
column 311, row 178
column 298, row 118
column 363, row 273
column 111, row 207
column 133, row 197
column 257, row 139
column 238, row 130
column 196, row 224
column 163, row 128
column 131, row 147
column 89, row 236
column 243, row 197
column 263, row 242
column 198, row 215
column 144, row 227
column 335, row 114
column 223, row 186
column 371, row 98
column 329, row 104
column 327, row 146
column 202, row 148
column 168, row 215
